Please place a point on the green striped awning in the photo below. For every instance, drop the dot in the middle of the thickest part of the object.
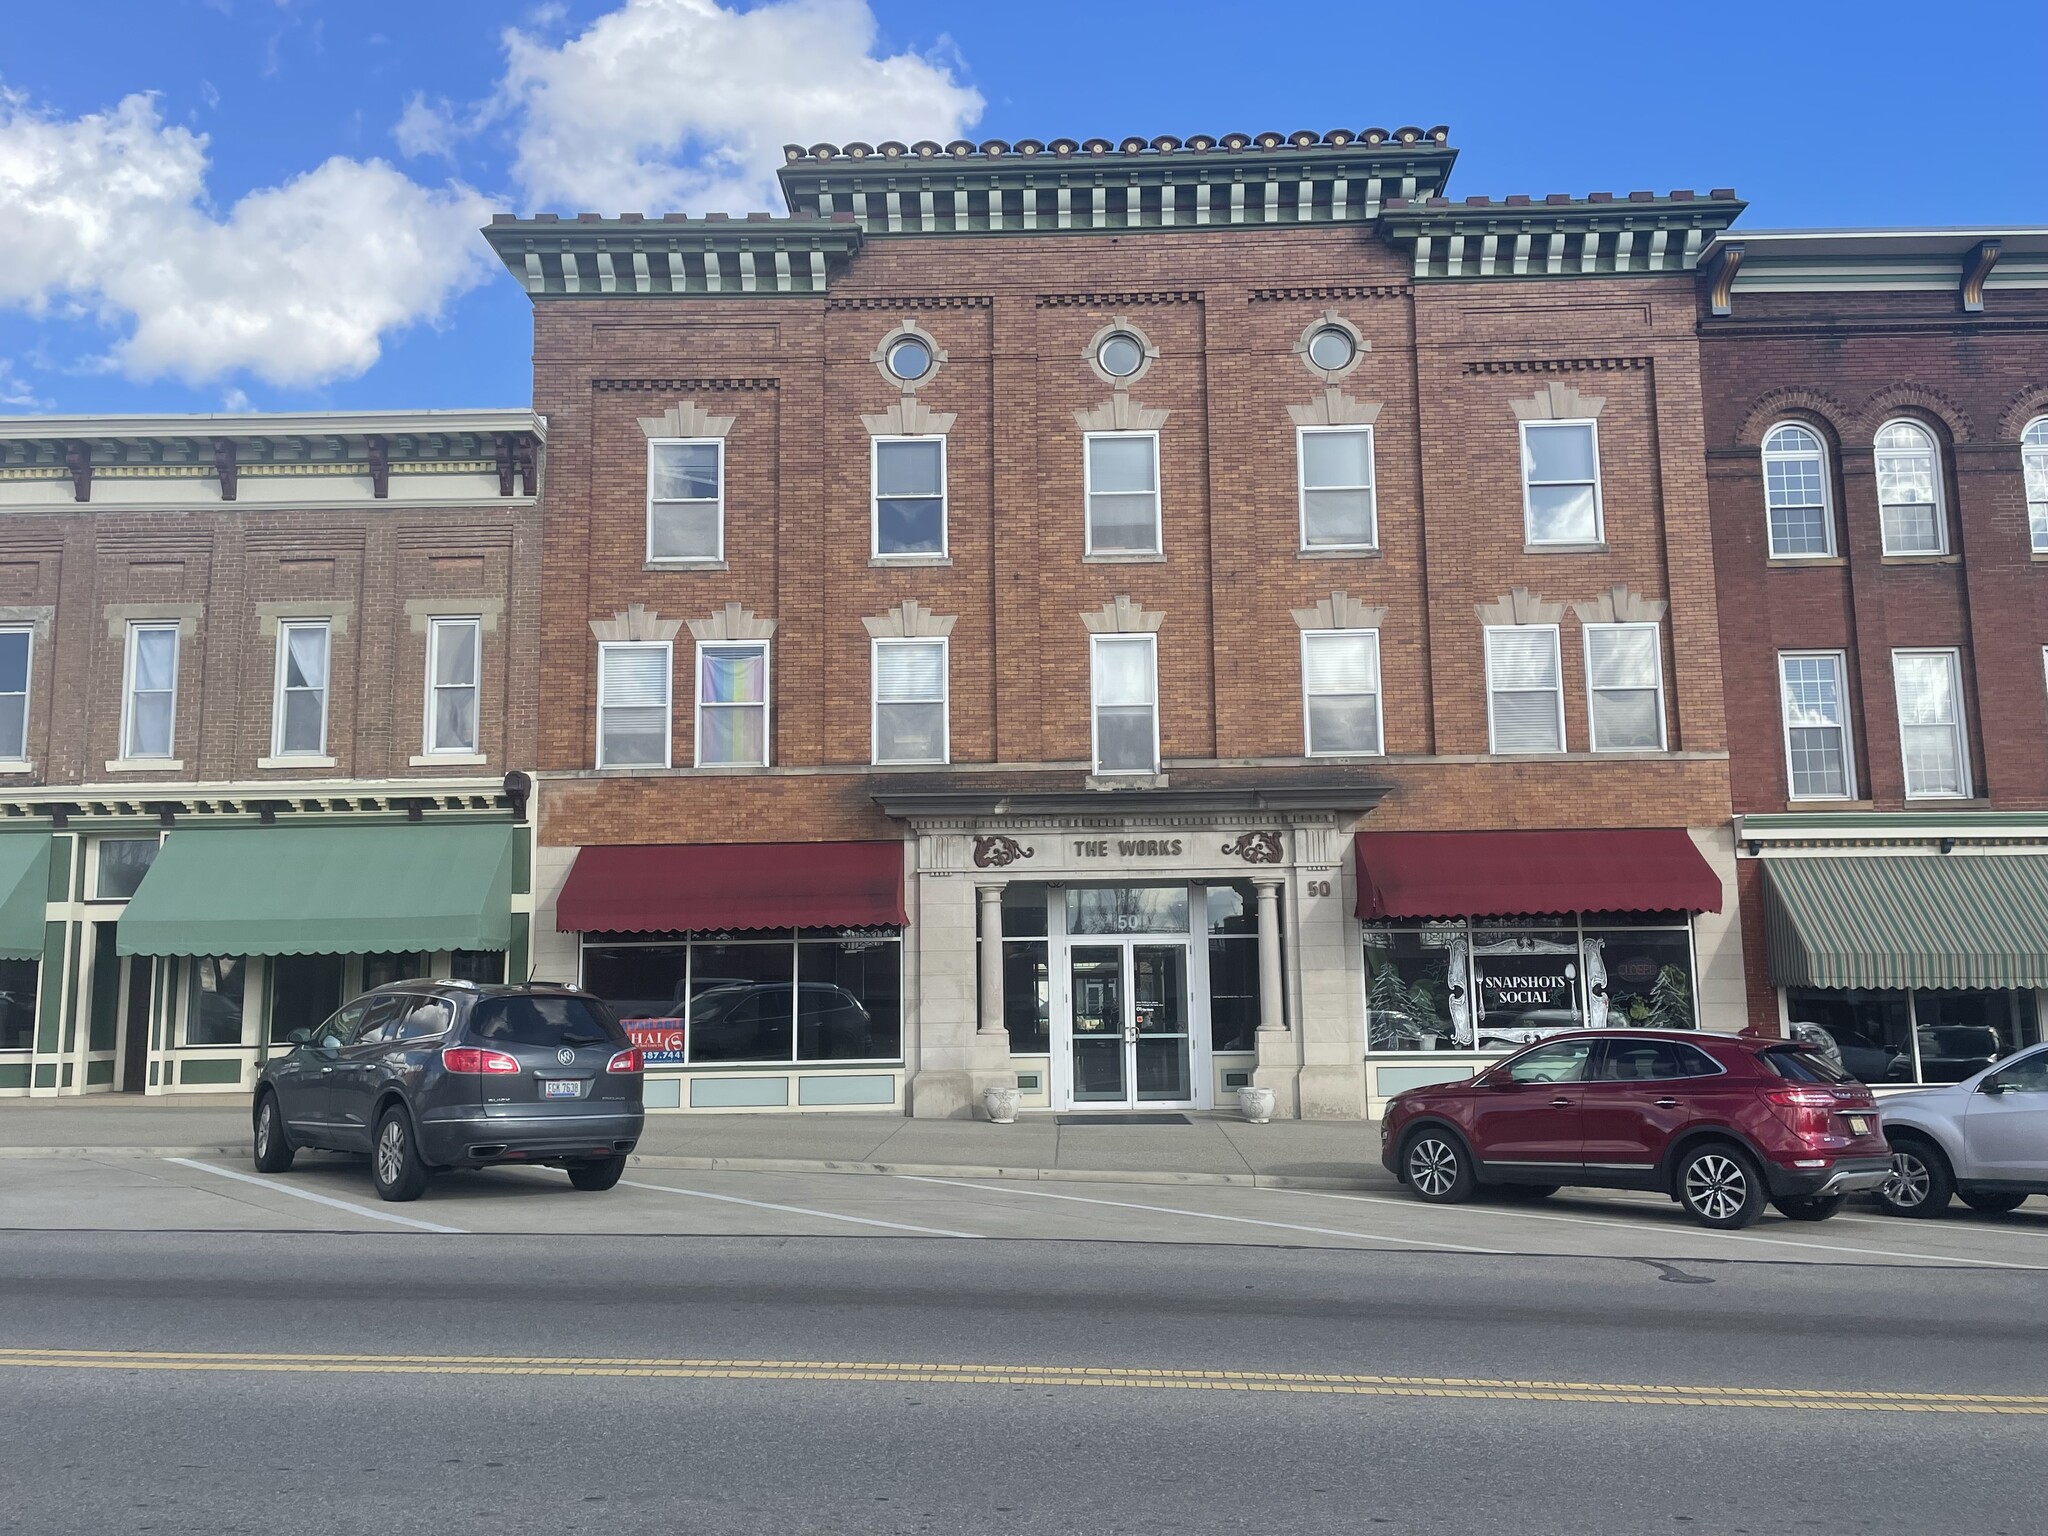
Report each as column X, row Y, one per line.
column 1939, row 920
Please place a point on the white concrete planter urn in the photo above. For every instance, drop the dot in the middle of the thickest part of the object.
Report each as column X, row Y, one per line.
column 1001, row 1104
column 1255, row 1104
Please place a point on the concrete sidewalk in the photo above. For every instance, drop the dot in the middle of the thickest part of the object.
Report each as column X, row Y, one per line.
column 1210, row 1149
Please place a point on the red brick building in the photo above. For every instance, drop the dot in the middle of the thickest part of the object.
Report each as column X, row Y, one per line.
column 1877, row 460
column 1128, row 621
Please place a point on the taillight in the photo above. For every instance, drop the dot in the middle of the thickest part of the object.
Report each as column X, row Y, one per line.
column 625, row 1061
column 1805, row 1098
column 474, row 1060
column 1807, row 1112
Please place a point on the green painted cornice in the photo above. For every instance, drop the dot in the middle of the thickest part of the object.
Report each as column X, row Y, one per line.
column 1601, row 235
column 591, row 256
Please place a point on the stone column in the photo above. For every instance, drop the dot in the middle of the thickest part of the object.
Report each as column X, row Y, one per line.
column 1279, row 1065
column 989, row 904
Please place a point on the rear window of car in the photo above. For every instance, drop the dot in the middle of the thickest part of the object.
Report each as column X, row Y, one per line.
column 544, row 1021
column 1799, row 1066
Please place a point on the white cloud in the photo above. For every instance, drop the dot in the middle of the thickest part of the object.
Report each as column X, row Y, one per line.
column 427, row 128
column 297, row 284
column 16, row 393
column 684, row 105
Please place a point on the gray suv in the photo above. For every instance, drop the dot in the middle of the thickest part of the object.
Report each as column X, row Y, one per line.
column 430, row 1075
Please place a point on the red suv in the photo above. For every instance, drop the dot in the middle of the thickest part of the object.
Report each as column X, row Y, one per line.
column 1720, row 1123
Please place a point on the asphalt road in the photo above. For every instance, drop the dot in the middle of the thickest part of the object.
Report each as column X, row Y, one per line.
column 1115, row 1370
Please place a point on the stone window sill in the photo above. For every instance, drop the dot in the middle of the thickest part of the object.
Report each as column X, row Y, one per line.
column 447, row 760
column 908, row 561
column 299, row 761
column 1532, row 547
column 1923, row 559
column 1124, row 559
column 1361, row 553
column 1126, row 781
column 1823, row 803
column 16, row 765
column 1800, row 562
column 145, row 765
column 685, row 565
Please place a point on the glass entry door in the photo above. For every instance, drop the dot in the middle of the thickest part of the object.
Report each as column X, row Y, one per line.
column 1130, row 1040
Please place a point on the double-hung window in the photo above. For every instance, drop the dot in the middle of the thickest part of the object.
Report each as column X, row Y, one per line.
column 1340, row 684
column 1802, row 523
column 1122, row 474
column 1909, row 490
column 2034, row 464
column 1817, row 761
column 454, row 662
column 1337, row 506
column 686, row 499
column 299, row 708
column 16, row 644
column 633, row 704
column 1124, row 690
column 1561, row 482
column 1625, row 687
column 1524, row 688
column 732, row 704
column 150, row 697
column 910, row 701
column 910, row 496
column 1929, row 685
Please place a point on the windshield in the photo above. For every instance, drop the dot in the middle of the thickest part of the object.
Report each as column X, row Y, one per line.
column 1804, row 1066
column 544, row 1021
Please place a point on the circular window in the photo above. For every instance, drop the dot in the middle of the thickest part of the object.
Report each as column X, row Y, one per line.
column 1330, row 349
column 910, row 359
column 1120, row 356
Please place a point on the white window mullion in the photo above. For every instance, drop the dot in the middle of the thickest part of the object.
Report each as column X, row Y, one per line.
column 454, row 673
column 634, row 682
column 1340, row 679
column 1912, row 513
column 908, row 497
column 17, row 647
column 1929, row 687
column 1561, row 482
column 1798, row 504
column 1124, row 694
column 686, row 500
column 1814, row 695
column 1120, row 471
column 150, row 703
column 299, row 702
column 1334, row 472
column 1524, row 689
column 910, row 706
column 1625, row 687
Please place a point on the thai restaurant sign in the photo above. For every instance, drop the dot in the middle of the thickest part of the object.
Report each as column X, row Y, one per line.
column 660, row 1041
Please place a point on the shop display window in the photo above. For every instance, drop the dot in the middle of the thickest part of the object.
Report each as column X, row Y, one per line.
column 18, row 980
column 216, row 1003
column 1923, row 1036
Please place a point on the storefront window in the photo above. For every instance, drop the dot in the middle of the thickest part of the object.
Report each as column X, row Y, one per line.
column 716, row 998
column 485, row 966
column 1913, row 1037
column 1641, row 976
column 382, row 970
column 1027, row 969
column 1418, row 989
column 1526, row 984
column 18, row 1004
column 215, row 1016
column 122, row 862
column 1233, row 967
column 304, row 991
column 1127, row 909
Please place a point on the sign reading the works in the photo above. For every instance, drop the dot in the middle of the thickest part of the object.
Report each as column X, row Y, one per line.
column 1127, row 848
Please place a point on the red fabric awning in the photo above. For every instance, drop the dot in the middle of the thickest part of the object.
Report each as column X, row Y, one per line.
column 1505, row 874
column 677, row 886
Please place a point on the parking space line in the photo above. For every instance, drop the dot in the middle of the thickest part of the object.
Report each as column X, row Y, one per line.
column 307, row 1194
column 1733, row 1237
column 1167, row 1210
column 800, row 1210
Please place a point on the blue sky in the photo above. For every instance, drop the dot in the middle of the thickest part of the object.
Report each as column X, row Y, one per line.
column 270, row 204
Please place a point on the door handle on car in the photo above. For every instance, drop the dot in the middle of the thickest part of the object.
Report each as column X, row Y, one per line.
column 1667, row 1103
column 1560, row 1103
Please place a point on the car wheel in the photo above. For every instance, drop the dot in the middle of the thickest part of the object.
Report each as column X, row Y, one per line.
column 274, row 1150
column 1920, row 1182
column 1992, row 1202
column 1810, row 1207
column 600, row 1174
column 1436, row 1166
column 1719, row 1186
column 1528, row 1191
column 395, row 1165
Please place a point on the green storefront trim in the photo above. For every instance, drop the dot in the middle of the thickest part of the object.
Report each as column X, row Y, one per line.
column 50, row 989
column 97, row 1072
column 1937, row 920
column 209, row 1071
column 325, row 890
column 13, row 1074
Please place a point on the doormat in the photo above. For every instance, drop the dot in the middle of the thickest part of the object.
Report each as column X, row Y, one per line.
column 1124, row 1120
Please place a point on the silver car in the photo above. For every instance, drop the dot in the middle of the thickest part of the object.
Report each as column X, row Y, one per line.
column 1985, row 1139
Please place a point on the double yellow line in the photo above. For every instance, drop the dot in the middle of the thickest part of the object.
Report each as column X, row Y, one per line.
column 968, row 1374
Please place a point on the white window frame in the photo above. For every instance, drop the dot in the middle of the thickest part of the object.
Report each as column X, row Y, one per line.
column 1151, row 641
column 766, row 706
column 430, row 743
column 1379, row 746
column 1592, row 427
column 2034, row 455
column 1371, row 487
column 875, row 550
column 1841, row 661
column 1957, row 727
column 136, row 629
column 945, row 699
column 1592, row 716
column 1088, row 498
column 719, row 500
column 1768, row 456
column 285, row 627
column 28, row 676
column 1940, row 476
column 668, row 673
column 1557, row 649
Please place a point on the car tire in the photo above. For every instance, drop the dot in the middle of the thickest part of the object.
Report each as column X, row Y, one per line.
column 602, row 1173
column 1809, row 1207
column 1528, row 1192
column 1437, row 1167
column 395, row 1165
column 273, row 1148
column 1921, row 1182
column 1992, row 1202
column 1719, row 1186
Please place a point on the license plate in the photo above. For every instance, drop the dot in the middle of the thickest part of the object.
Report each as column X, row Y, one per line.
column 560, row 1088
column 1859, row 1125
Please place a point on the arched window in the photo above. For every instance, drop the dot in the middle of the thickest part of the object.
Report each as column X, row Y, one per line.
column 2034, row 457
column 1796, row 492
column 1909, row 490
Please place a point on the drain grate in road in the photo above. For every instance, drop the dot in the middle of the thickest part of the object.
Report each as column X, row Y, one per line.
column 1125, row 1120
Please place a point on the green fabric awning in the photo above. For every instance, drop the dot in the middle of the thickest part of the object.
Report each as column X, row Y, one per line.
column 1939, row 920
column 326, row 890
column 24, row 893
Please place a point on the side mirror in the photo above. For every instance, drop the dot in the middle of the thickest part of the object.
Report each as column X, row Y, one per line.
column 1991, row 1085
column 299, row 1036
column 1498, row 1079
column 330, row 1047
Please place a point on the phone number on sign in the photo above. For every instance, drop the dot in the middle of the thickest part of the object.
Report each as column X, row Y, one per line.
column 660, row 1041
